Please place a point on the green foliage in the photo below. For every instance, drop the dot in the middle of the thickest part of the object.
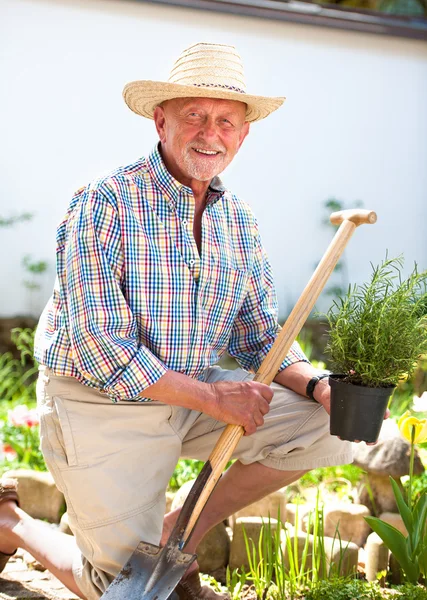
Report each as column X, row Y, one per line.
column 410, row 592
column 235, row 580
column 316, row 476
column 410, row 551
column 10, row 221
column 344, row 589
column 279, row 569
column 378, row 330
column 34, row 269
column 18, row 375
column 19, row 443
column 185, row 470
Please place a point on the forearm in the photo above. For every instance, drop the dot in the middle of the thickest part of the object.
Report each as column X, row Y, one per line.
column 296, row 377
column 180, row 390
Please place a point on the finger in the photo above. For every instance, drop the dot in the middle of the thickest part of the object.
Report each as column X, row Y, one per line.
column 265, row 391
column 250, row 428
column 387, row 414
column 264, row 408
column 259, row 420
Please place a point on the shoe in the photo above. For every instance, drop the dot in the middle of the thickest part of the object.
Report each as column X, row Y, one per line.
column 190, row 588
column 8, row 491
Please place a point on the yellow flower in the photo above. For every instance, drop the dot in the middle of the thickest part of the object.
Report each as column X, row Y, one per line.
column 406, row 423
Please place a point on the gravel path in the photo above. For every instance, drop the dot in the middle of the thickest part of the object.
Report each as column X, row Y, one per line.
column 23, row 578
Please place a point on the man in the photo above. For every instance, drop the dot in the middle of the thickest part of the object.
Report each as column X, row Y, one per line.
column 160, row 271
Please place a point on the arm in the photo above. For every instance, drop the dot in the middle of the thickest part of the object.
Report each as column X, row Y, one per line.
column 101, row 327
column 296, row 377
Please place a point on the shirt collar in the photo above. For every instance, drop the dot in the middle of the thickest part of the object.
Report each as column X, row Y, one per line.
column 172, row 188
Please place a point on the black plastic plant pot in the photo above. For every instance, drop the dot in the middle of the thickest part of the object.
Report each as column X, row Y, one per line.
column 357, row 412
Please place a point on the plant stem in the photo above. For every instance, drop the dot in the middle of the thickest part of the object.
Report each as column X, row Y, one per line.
column 411, row 468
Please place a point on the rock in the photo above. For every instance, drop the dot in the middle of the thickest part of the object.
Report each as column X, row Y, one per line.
column 38, row 494
column 214, row 550
column 379, row 488
column 182, row 494
column 169, row 500
column 341, row 558
column 303, row 510
column 389, row 457
column 394, row 519
column 252, row 527
column 376, row 557
column 272, row 505
column 349, row 519
column 64, row 525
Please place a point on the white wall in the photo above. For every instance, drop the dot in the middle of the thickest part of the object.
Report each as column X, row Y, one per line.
column 354, row 127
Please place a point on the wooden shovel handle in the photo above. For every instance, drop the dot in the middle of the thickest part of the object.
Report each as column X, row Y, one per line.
column 224, row 448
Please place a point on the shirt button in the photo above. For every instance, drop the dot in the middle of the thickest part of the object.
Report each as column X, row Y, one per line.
column 191, row 262
column 184, row 221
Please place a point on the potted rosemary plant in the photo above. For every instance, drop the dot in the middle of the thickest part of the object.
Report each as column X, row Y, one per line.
column 378, row 331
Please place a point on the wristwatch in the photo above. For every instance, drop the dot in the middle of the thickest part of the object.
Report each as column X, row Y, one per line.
column 312, row 384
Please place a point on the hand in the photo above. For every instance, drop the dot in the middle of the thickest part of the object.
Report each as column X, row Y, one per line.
column 322, row 394
column 240, row 403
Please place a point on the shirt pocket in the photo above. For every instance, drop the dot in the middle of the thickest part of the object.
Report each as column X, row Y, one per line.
column 223, row 296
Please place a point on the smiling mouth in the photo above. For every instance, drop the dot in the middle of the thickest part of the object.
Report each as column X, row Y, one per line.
column 206, row 152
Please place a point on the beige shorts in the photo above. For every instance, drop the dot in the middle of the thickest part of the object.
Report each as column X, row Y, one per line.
column 113, row 462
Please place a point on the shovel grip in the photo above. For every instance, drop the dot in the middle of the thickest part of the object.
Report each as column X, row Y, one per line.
column 224, row 448
column 355, row 215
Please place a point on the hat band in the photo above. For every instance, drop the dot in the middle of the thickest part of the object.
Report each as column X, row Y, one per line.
column 233, row 88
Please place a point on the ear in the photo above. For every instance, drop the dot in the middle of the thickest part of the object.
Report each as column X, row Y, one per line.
column 244, row 132
column 160, row 122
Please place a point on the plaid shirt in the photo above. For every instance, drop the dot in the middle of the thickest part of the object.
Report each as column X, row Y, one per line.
column 133, row 297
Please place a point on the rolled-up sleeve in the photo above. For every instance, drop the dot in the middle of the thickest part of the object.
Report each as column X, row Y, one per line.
column 256, row 326
column 102, row 330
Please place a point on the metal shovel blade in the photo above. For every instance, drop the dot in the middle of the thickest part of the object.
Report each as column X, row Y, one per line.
column 151, row 573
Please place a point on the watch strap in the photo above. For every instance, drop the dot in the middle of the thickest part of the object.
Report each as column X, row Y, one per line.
column 312, row 384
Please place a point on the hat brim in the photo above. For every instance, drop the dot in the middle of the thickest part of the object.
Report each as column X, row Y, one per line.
column 142, row 97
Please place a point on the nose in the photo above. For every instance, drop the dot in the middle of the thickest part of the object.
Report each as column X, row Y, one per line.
column 208, row 130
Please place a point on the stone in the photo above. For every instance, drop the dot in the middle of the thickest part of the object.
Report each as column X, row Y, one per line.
column 349, row 519
column 169, row 501
column 252, row 527
column 214, row 550
column 395, row 520
column 303, row 510
column 38, row 494
column 64, row 525
column 181, row 494
column 388, row 458
column 376, row 557
column 269, row 506
column 341, row 557
column 379, row 488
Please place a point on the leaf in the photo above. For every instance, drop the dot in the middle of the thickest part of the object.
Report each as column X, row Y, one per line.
column 419, row 517
column 422, row 559
column 396, row 542
column 405, row 513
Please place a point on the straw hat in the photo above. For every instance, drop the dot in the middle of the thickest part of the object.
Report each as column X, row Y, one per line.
column 203, row 71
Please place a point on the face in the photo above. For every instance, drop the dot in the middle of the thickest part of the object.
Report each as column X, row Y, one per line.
column 200, row 136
